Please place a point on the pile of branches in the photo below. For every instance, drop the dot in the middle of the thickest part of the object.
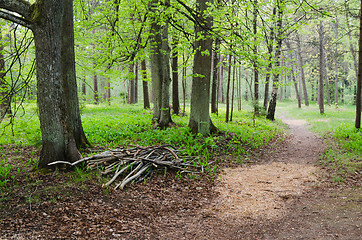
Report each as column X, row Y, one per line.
column 139, row 162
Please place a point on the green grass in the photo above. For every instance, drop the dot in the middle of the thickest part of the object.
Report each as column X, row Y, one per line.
column 344, row 153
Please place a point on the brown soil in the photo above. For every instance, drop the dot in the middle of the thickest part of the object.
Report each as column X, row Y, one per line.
column 281, row 197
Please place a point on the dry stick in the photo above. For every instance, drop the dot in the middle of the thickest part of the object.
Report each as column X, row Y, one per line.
column 130, row 174
column 134, row 176
column 119, row 173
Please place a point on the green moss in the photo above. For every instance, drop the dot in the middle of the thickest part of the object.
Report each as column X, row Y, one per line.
column 36, row 11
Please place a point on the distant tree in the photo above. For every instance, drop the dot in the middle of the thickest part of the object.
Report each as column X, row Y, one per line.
column 321, row 68
column 5, row 107
column 359, row 78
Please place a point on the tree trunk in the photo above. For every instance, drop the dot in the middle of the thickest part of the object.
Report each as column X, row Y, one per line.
column 301, row 67
column 255, row 64
column 359, row 78
column 5, row 107
column 165, row 118
column 58, row 139
column 200, row 121
column 232, row 92
column 274, row 95
column 132, row 87
column 336, row 67
column 221, row 81
column 321, row 68
column 175, row 95
column 146, row 98
column 214, row 85
column 327, row 78
column 136, row 82
column 228, row 91
column 69, row 75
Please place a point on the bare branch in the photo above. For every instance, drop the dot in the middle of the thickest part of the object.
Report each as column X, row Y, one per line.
column 15, row 19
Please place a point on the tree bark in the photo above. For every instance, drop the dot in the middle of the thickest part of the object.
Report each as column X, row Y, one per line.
column 359, row 79
column 220, row 91
column 5, row 107
column 58, row 139
column 274, row 95
column 336, row 67
column 255, row 64
column 321, row 69
column 146, row 98
column 200, row 121
column 69, row 75
column 301, row 67
column 228, row 91
column 214, row 85
column 175, row 89
column 132, row 87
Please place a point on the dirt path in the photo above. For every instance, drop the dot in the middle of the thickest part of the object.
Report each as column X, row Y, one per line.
column 280, row 198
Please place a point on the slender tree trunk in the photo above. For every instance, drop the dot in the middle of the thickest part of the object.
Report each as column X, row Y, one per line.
column 301, row 67
column 215, row 79
column 175, row 89
column 228, row 91
column 255, row 64
column 336, row 67
column 359, row 78
column 221, row 81
column 136, row 83
column 233, row 92
column 274, row 95
column 146, row 98
column 165, row 118
column 200, row 121
column 184, row 74
column 321, row 68
column 5, row 107
column 327, row 78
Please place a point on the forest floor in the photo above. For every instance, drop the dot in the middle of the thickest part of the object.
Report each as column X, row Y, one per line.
column 282, row 195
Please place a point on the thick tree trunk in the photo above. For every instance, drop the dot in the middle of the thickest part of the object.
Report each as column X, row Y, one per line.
column 359, row 78
column 321, row 69
column 214, row 85
column 58, row 139
column 301, row 67
column 274, row 95
column 175, row 95
column 200, row 121
column 69, row 75
column 146, row 98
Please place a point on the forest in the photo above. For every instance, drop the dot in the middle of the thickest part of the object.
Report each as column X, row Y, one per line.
column 164, row 119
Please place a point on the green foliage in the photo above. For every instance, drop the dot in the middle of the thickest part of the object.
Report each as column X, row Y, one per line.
column 5, row 170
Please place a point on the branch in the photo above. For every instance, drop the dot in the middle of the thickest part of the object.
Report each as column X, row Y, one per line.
column 20, row 7
column 15, row 19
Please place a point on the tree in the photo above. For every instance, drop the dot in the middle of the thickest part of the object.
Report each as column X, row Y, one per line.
column 160, row 70
column 301, row 67
column 51, row 22
column 5, row 107
column 175, row 95
column 359, row 78
column 200, row 121
column 146, row 99
column 321, row 68
column 279, row 37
